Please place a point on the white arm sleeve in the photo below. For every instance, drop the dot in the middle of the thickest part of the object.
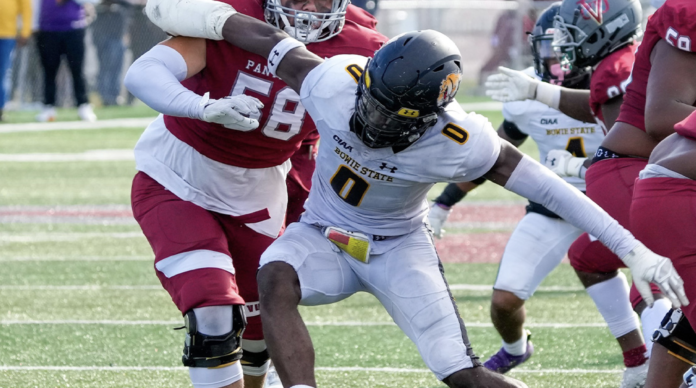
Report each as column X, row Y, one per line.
column 537, row 183
column 155, row 78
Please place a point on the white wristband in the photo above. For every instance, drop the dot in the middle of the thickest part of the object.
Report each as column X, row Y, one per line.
column 549, row 94
column 278, row 52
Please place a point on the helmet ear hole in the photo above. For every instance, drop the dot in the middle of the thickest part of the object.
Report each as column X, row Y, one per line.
column 592, row 39
column 439, row 68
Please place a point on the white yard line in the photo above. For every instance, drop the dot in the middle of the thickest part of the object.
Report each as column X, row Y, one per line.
column 114, row 155
column 455, row 287
column 76, row 125
column 76, row 258
column 43, row 237
column 486, row 287
column 144, row 122
column 319, row 368
column 79, row 288
column 340, row 324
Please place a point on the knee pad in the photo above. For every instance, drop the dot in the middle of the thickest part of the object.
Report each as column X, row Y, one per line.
column 255, row 360
column 212, row 351
column 676, row 334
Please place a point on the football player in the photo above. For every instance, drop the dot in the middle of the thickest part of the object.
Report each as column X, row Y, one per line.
column 210, row 194
column 600, row 33
column 363, row 228
column 542, row 238
column 663, row 92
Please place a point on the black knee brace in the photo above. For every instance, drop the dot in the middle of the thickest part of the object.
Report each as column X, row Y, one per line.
column 676, row 334
column 209, row 351
column 255, row 362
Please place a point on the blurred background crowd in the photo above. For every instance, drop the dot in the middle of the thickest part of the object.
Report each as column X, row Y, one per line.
column 63, row 53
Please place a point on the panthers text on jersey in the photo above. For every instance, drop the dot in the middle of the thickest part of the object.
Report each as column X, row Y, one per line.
column 675, row 23
column 375, row 190
column 610, row 78
column 552, row 130
column 282, row 124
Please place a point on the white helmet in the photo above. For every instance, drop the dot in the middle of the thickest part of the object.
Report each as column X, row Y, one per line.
column 307, row 27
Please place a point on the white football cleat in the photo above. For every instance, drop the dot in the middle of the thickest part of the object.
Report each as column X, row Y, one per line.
column 635, row 377
column 272, row 379
column 48, row 113
column 86, row 113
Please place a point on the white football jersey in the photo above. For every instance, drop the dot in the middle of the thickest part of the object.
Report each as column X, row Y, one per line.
column 374, row 190
column 553, row 130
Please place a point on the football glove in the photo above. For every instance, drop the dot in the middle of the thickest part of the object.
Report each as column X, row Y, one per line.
column 193, row 18
column 648, row 267
column 437, row 217
column 564, row 164
column 232, row 111
column 511, row 85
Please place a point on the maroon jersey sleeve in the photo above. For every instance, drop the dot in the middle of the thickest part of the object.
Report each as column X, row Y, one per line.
column 687, row 127
column 610, row 78
column 675, row 22
column 361, row 17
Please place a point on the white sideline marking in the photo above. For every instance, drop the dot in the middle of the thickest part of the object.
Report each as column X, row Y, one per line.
column 457, row 287
column 39, row 237
column 77, row 258
column 116, row 155
column 344, row 324
column 486, row 287
column 81, row 288
column 76, row 125
column 319, row 368
column 144, row 122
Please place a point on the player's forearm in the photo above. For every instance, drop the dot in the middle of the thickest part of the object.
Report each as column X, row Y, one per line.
column 531, row 180
column 576, row 104
column 251, row 34
column 155, row 78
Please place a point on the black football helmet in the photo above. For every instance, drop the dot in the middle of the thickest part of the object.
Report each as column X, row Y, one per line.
column 547, row 64
column 404, row 87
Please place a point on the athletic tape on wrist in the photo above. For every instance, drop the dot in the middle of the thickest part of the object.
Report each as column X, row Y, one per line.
column 549, row 94
column 278, row 52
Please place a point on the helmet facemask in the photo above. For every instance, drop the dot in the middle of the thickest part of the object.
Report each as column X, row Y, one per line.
column 379, row 127
column 548, row 61
column 567, row 38
column 307, row 27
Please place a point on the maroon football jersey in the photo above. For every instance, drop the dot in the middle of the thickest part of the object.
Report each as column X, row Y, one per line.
column 283, row 123
column 675, row 22
column 610, row 77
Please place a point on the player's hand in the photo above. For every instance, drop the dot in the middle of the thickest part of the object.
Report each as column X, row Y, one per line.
column 232, row 111
column 437, row 217
column 193, row 18
column 648, row 267
column 511, row 85
column 564, row 164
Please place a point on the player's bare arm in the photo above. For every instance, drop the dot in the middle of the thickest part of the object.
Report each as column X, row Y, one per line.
column 671, row 89
column 219, row 21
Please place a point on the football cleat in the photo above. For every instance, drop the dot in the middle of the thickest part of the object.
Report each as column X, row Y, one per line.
column 86, row 113
column 635, row 377
column 503, row 361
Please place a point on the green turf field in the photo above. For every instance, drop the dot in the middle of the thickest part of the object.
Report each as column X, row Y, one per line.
column 82, row 307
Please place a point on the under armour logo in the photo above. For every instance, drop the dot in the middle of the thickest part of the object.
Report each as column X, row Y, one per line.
column 553, row 162
column 384, row 165
column 272, row 57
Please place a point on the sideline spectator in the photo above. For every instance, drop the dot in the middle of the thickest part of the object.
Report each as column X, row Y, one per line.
column 11, row 35
column 143, row 34
column 62, row 32
column 107, row 33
